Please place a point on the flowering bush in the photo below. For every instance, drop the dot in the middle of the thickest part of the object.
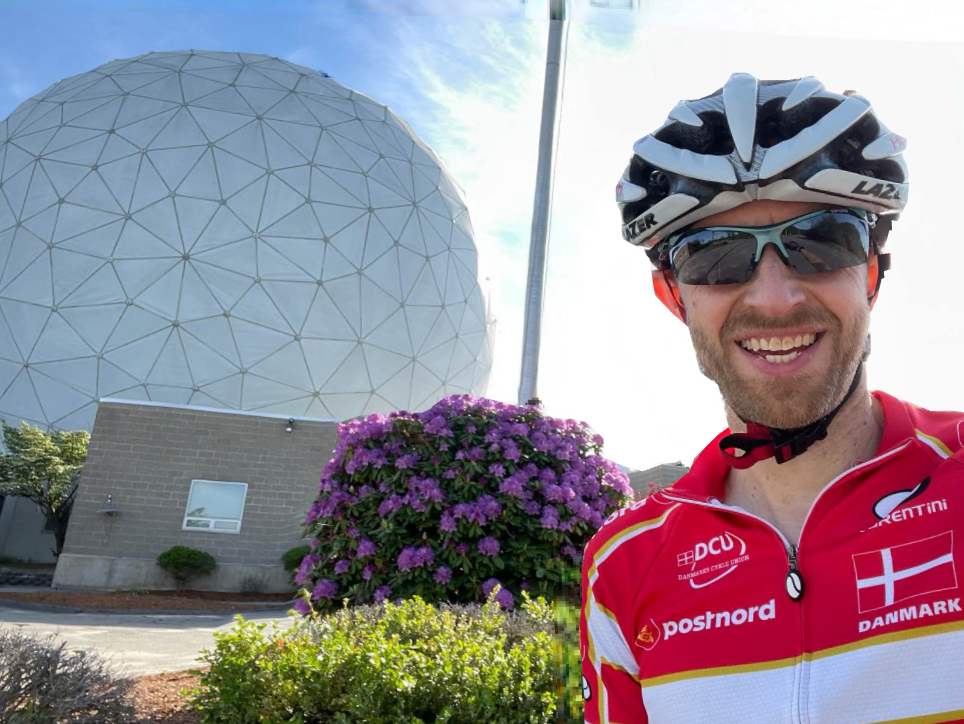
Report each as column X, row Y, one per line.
column 448, row 503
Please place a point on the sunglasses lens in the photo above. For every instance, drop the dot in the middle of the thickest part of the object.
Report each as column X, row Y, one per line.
column 714, row 256
column 834, row 240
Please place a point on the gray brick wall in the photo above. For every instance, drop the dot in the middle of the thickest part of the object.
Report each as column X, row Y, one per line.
column 146, row 456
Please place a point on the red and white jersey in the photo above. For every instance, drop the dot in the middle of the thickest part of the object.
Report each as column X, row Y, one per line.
column 691, row 614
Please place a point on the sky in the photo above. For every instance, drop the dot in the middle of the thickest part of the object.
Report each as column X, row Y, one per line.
column 468, row 78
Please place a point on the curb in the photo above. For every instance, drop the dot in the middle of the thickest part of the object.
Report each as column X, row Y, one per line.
column 50, row 608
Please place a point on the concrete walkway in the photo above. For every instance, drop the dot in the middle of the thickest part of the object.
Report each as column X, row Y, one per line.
column 137, row 644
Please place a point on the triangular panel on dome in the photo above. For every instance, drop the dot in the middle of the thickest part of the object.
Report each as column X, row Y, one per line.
column 377, row 305
column 438, row 359
column 119, row 175
column 298, row 225
column 95, row 323
column 330, row 154
column 293, row 299
column 297, row 177
column 165, row 88
column 281, row 154
column 193, row 216
column 423, row 184
column 140, row 133
column 454, row 292
column 227, row 391
column 396, row 176
column 77, row 108
column 8, row 372
column 101, row 117
column 166, row 59
column 164, row 294
column 318, row 410
column 219, row 74
column 93, row 192
column 218, row 124
column 173, row 164
column 463, row 378
column 130, row 82
column 24, row 250
column 8, row 347
column 325, row 356
column 41, row 193
column 134, row 242
column 288, row 364
column 425, row 291
column 325, row 111
column 149, row 189
column 20, row 398
column 384, row 272
column 350, row 241
column 279, row 201
column 381, row 195
column 377, row 243
column 362, row 154
column 303, row 137
column 462, row 360
column 210, row 348
column 258, row 308
column 291, row 108
column 195, row 86
column 227, row 100
column 196, row 298
column 225, row 228
column 75, row 220
column 85, row 152
column 111, row 379
column 101, row 287
column 202, row 181
column 45, row 117
column 37, row 141
column 346, row 294
column 182, row 132
column 325, row 189
column 351, row 375
column 426, row 387
column 326, row 321
column 435, row 244
column 392, row 334
column 255, row 342
column 411, row 237
column 234, row 172
column 15, row 160
column 137, row 357
column 279, row 71
column 442, row 332
column 171, row 366
column 32, row 284
column 394, row 219
column 227, row 286
column 135, row 276
column 275, row 266
column 383, row 365
column 172, row 395
column 261, row 393
column 247, row 203
column 260, row 100
column 135, row 109
column 421, row 321
column 135, row 324
column 199, row 399
column 80, row 419
column 439, row 265
column 396, row 392
column 344, row 407
column 251, row 78
column 474, row 341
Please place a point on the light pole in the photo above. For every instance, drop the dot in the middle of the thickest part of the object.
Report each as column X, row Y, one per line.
column 536, row 282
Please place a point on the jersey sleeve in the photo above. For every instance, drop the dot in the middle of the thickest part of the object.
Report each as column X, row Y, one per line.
column 611, row 690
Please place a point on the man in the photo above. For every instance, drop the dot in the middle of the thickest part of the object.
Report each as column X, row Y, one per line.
column 807, row 568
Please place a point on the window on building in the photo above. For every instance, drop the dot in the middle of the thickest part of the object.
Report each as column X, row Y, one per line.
column 215, row 507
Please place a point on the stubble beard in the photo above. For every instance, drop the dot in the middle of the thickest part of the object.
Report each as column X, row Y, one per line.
column 784, row 402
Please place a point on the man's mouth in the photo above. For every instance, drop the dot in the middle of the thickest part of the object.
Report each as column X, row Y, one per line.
column 779, row 350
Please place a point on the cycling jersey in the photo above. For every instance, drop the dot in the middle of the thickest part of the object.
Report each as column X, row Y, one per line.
column 695, row 611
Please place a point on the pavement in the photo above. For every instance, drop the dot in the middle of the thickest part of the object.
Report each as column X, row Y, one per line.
column 136, row 644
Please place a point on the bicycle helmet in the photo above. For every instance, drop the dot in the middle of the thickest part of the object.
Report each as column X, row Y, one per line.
column 787, row 140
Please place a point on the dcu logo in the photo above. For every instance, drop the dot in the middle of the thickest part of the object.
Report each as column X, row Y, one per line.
column 711, row 560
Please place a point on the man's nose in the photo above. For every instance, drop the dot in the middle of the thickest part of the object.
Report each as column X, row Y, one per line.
column 775, row 288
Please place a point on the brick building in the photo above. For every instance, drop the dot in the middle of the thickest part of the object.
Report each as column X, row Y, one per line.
column 234, row 484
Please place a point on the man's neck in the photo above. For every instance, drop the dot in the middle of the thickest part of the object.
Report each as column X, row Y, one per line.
column 783, row 494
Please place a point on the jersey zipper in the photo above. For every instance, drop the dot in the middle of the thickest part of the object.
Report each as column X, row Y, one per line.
column 799, row 713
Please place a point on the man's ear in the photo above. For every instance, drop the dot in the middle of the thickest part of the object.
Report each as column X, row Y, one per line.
column 667, row 291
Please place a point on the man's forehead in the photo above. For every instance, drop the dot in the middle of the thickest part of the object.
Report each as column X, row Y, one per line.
column 760, row 213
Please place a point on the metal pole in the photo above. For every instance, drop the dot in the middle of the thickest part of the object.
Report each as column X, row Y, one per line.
column 535, row 286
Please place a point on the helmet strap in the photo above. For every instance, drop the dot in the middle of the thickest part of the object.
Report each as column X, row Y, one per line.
column 759, row 442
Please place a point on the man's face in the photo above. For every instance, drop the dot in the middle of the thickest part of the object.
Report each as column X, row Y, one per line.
column 787, row 391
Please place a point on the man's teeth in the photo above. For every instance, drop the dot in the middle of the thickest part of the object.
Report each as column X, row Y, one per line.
column 779, row 344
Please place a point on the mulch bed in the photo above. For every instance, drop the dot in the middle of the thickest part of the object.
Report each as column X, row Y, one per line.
column 141, row 600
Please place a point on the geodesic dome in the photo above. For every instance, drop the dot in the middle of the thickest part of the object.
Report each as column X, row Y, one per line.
column 228, row 230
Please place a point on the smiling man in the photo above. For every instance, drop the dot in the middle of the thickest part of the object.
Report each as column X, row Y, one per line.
column 806, row 568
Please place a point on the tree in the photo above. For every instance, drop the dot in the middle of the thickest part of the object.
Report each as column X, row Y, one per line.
column 44, row 468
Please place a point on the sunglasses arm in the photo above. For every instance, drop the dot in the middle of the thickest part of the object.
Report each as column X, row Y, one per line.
column 667, row 291
column 879, row 263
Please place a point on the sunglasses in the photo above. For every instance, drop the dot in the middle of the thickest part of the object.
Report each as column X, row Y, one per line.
column 814, row 243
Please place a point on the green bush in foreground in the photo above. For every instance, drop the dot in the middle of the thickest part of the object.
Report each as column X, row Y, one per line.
column 405, row 663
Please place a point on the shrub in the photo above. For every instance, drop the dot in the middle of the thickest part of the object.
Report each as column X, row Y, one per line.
column 408, row 663
column 184, row 563
column 447, row 503
column 293, row 558
column 40, row 683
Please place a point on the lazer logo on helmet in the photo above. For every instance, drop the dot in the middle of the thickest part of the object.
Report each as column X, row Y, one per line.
column 710, row 620
column 642, row 224
column 881, row 191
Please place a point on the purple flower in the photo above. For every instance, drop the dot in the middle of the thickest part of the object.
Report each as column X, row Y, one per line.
column 489, row 585
column 365, row 548
column 450, row 474
column 342, row 566
column 572, row 553
column 533, row 507
column 301, row 607
column 550, row 517
column 448, row 523
column 367, row 572
column 326, row 588
column 462, row 549
column 404, row 462
column 443, row 574
column 497, row 470
column 511, row 486
column 381, row 593
column 389, row 506
column 505, row 599
column 489, row 546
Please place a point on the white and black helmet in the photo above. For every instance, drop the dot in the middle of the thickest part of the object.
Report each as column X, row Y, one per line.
column 787, row 140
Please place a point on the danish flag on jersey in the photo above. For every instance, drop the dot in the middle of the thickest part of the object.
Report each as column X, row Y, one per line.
column 890, row 575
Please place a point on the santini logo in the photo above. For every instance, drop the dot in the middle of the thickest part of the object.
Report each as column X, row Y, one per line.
column 709, row 620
